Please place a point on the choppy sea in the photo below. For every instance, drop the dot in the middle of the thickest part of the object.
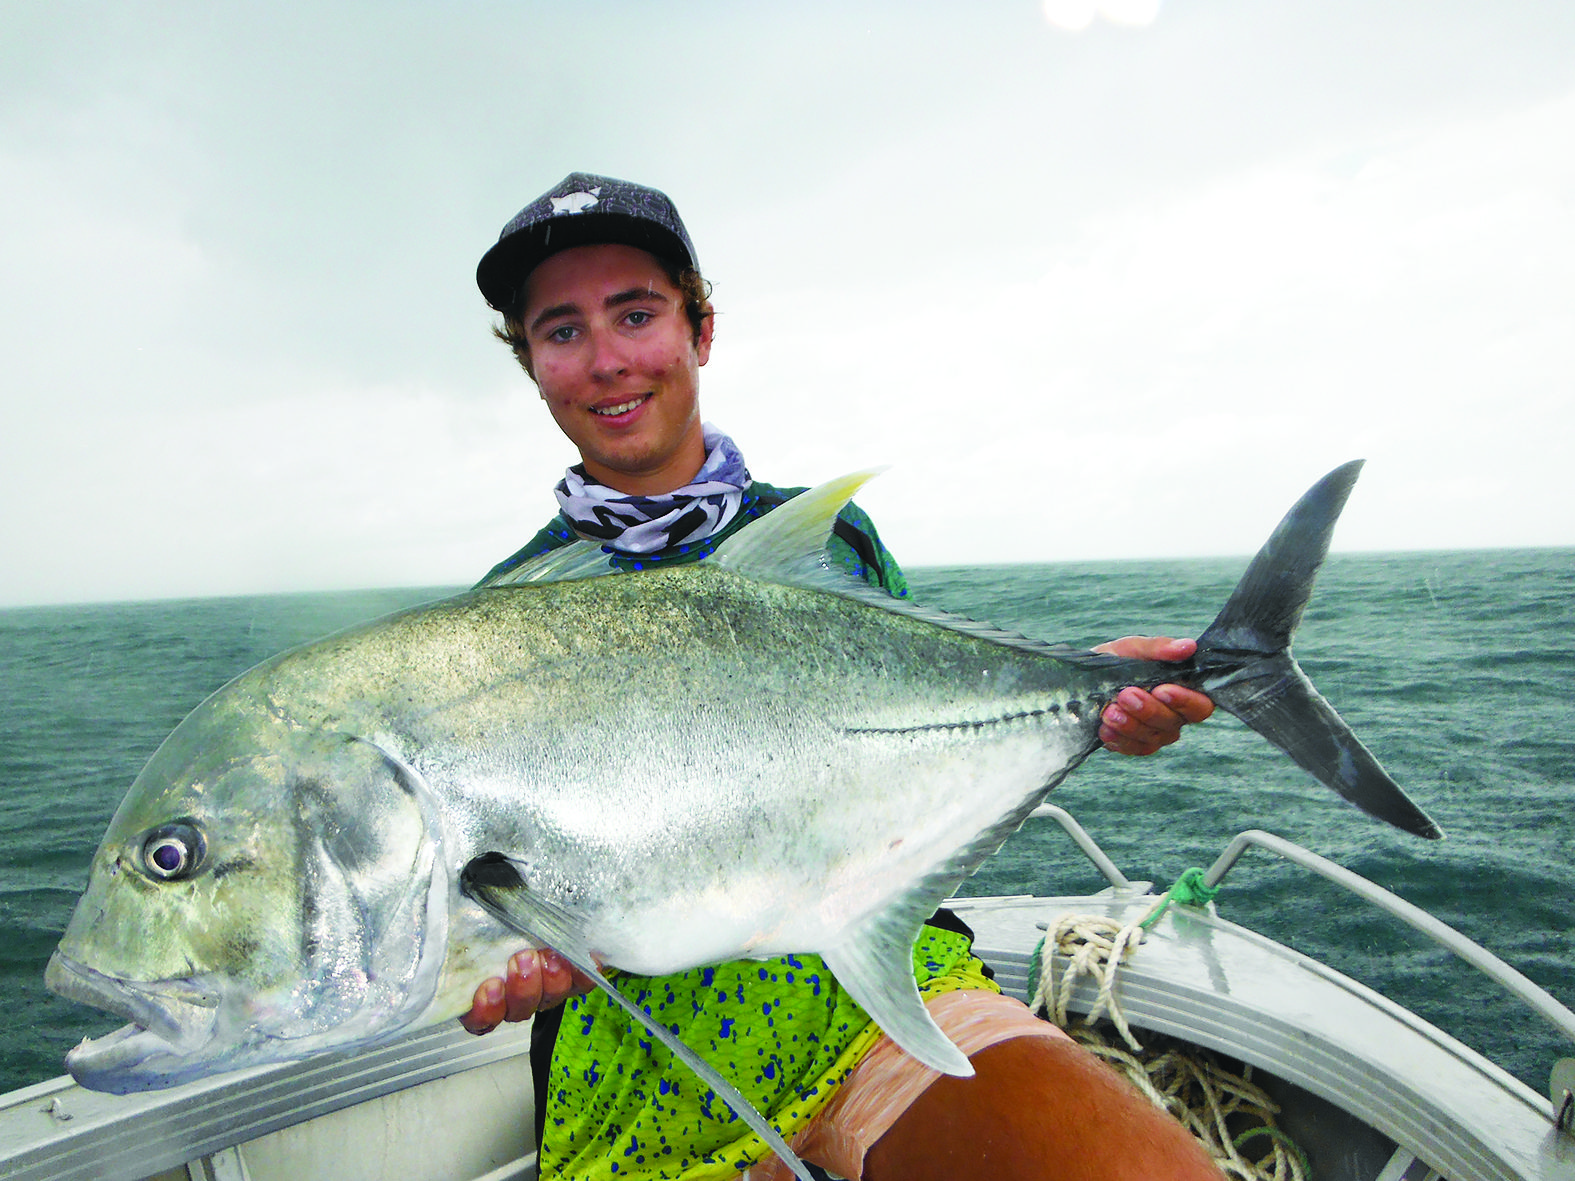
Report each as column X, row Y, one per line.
column 1456, row 668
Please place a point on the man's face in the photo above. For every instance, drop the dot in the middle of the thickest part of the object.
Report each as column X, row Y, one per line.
column 616, row 359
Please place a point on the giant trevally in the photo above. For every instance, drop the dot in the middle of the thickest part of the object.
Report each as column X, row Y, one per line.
column 749, row 756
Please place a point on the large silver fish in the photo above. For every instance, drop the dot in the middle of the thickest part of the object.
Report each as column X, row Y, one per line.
column 745, row 757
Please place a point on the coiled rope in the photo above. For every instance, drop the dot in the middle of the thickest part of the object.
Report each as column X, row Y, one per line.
column 1223, row 1109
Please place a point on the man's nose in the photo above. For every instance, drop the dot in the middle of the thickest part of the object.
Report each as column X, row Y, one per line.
column 607, row 354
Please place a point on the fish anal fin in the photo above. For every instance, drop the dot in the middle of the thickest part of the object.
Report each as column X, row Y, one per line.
column 875, row 964
column 499, row 884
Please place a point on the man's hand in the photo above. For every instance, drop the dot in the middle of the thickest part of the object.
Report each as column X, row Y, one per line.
column 536, row 980
column 1139, row 722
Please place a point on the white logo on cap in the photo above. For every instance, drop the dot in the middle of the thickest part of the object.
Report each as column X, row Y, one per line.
column 575, row 202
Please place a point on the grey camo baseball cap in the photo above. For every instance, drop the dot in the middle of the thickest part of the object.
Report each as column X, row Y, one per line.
column 582, row 209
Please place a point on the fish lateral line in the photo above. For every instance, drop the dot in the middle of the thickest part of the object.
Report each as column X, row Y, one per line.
column 1074, row 708
column 1243, row 659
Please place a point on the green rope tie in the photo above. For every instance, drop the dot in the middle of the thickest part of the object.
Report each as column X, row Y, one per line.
column 1190, row 890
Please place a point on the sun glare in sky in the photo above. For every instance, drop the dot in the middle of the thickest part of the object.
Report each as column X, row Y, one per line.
column 1075, row 15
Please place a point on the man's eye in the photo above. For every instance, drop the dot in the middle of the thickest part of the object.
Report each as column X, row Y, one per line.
column 561, row 335
column 638, row 318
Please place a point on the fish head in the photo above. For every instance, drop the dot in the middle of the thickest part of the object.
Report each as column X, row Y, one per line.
column 264, row 892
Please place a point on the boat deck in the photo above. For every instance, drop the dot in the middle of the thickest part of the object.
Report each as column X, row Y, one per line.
column 1207, row 981
column 1372, row 1092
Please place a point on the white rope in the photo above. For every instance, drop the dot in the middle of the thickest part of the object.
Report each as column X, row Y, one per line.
column 1187, row 1082
column 1094, row 947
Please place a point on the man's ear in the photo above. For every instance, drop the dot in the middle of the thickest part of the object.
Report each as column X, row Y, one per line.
column 703, row 341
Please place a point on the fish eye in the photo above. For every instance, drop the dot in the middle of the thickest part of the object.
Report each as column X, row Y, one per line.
column 173, row 851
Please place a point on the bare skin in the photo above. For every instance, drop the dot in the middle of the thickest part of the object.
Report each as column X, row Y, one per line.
column 535, row 981
column 617, row 361
column 1031, row 1100
column 1036, row 1110
column 1140, row 722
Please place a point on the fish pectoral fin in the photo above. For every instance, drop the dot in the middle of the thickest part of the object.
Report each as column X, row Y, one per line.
column 498, row 883
column 875, row 964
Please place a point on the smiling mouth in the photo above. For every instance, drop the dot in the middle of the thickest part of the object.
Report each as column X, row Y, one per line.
column 621, row 407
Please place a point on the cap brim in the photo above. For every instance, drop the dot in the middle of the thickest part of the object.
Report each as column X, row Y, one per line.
column 503, row 269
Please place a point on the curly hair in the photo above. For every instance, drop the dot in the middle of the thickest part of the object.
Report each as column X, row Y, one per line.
column 692, row 286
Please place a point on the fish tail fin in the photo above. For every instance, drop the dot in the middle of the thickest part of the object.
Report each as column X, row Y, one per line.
column 1245, row 664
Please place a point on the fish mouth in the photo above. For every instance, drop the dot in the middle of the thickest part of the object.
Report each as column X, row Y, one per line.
column 166, row 1016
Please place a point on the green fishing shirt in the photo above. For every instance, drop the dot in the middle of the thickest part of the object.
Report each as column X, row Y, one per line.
column 618, row 1105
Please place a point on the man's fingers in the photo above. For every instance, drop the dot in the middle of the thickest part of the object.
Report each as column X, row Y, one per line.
column 557, row 979
column 1149, row 648
column 536, row 980
column 487, row 1008
column 1137, row 723
column 1192, row 706
column 524, row 986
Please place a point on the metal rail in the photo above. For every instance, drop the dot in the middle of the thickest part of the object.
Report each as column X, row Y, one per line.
column 1086, row 843
column 1442, row 933
column 1532, row 995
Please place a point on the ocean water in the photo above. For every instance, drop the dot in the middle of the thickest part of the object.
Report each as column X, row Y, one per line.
column 1454, row 667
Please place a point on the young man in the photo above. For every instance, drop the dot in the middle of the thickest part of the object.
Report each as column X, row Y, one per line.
column 605, row 309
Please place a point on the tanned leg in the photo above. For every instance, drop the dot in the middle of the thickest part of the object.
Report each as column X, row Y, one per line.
column 1037, row 1110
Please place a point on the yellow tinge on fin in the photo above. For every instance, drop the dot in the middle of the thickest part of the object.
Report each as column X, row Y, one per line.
column 791, row 539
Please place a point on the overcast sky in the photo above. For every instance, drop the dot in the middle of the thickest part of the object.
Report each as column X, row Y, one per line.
column 1093, row 286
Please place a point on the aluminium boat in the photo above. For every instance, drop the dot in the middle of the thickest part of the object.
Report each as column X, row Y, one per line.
column 1361, row 1088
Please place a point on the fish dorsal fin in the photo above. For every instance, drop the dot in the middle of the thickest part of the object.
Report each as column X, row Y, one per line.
column 497, row 882
column 788, row 544
column 567, row 563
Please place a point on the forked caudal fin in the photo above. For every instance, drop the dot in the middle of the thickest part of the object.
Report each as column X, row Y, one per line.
column 1244, row 661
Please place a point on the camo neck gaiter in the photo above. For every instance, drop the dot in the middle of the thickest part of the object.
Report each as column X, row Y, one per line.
column 646, row 524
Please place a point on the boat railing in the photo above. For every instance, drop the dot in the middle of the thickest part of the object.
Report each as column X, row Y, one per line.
column 1090, row 847
column 1532, row 995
